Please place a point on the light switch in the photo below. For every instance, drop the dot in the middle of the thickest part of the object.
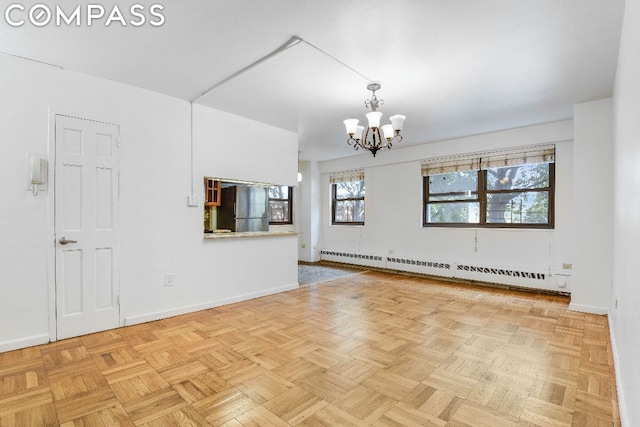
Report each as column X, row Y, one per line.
column 168, row 279
column 192, row 201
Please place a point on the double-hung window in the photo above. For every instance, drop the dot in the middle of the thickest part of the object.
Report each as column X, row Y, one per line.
column 347, row 198
column 512, row 188
column 280, row 203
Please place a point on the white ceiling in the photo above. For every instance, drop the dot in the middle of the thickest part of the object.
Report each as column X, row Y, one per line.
column 454, row 68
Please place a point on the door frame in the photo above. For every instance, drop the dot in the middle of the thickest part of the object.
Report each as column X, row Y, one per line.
column 51, row 220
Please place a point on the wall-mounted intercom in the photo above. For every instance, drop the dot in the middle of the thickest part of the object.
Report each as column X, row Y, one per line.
column 37, row 172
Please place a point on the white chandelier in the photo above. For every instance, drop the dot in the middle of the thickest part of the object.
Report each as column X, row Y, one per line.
column 370, row 138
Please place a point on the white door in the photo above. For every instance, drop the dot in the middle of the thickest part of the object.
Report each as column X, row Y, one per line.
column 86, row 226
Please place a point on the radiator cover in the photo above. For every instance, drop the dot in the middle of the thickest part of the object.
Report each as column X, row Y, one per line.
column 505, row 275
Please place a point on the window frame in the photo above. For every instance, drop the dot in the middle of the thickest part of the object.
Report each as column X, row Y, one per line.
column 482, row 193
column 289, row 200
column 334, row 199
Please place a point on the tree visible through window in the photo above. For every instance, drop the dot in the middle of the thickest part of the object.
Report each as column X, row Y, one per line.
column 347, row 205
column 510, row 196
column 280, row 202
column 452, row 198
column 519, row 194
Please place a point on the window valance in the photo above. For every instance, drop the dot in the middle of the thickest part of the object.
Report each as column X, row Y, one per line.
column 490, row 159
column 346, row 176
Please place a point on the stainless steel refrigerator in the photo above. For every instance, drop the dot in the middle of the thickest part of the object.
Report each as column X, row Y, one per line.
column 244, row 208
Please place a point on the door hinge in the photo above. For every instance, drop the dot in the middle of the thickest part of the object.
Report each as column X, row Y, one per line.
column 118, row 299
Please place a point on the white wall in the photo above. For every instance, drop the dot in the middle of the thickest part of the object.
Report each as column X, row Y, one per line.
column 592, row 232
column 159, row 233
column 625, row 318
column 394, row 208
column 308, row 220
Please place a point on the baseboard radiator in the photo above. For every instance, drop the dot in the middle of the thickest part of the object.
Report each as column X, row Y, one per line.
column 366, row 260
column 520, row 277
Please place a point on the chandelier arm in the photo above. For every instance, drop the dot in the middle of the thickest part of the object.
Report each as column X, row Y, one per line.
column 373, row 141
column 376, row 138
column 376, row 143
column 396, row 138
column 364, row 142
column 381, row 140
column 353, row 142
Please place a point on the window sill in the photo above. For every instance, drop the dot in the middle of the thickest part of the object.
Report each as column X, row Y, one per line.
column 491, row 226
column 234, row 235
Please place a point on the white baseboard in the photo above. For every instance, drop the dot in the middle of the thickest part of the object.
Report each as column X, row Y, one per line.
column 622, row 407
column 23, row 342
column 150, row 317
column 591, row 309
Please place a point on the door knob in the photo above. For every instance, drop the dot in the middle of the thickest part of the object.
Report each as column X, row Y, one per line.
column 63, row 241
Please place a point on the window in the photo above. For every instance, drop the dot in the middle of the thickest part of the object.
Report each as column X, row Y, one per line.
column 280, row 203
column 452, row 198
column 512, row 189
column 347, row 198
column 519, row 194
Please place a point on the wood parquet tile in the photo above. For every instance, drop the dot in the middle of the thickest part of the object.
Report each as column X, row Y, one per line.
column 374, row 349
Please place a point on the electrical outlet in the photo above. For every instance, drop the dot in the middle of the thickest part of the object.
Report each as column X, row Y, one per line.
column 192, row 201
column 567, row 266
column 169, row 279
column 303, row 246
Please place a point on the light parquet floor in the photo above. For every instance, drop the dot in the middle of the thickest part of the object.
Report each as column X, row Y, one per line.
column 371, row 349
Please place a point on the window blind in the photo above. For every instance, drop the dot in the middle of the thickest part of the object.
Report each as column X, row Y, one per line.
column 528, row 155
column 490, row 159
column 450, row 164
column 346, row 176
